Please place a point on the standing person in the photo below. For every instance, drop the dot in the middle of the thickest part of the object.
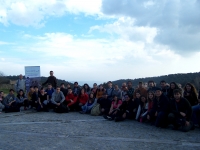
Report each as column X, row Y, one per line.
column 76, row 90
column 57, row 101
column 27, row 85
column 22, row 100
column 151, row 86
column 10, row 102
column 94, row 89
column 130, row 90
column 124, row 91
column 117, row 92
column 63, row 89
column 140, row 89
column 20, row 84
column 51, row 79
column 109, row 90
column 160, row 109
column 172, row 87
column 1, row 101
column 164, row 87
column 180, row 112
column 190, row 93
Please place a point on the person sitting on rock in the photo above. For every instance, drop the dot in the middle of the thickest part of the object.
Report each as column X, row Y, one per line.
column 180, row 112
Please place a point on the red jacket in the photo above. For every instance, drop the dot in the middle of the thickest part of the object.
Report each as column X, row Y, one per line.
column 83, row 98
column 72, row 97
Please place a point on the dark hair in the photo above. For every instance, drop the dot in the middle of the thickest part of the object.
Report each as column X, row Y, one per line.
column 162, row 81
column 69, row 88
column 42, row 88
column 95, row 84
column 193, row 89
column 152, row 94
column 35, row 86
column 129, row 81
column 31, row 87
column 62, row 84
column 140, row 82
column 88, row 89
column 49, row 84
column 18, row 95
column 76, row 82
column 51, row 71
column 11, row 90
column 151, row 81
column 177, row 91
column 176, row 86
column 109, row 82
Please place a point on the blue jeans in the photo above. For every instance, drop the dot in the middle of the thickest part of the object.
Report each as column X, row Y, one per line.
column 196, row 114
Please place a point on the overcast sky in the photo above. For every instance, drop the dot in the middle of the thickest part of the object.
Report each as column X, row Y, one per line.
column 100, row 40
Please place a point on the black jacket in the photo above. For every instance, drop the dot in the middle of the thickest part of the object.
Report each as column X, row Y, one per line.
column 127, row 107
column 160, row 105
column 192, row 98
column 182, row 106
column 52, row 80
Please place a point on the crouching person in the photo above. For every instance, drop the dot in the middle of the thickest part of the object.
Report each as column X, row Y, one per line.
column 10, row 102
column 57, row 100
column 89, row 104
column 43, row 101
column 125, row 111
column 160, row 109
column 180, row 112
column 22, row 100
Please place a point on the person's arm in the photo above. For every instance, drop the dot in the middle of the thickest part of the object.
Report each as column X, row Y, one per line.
column 62, row 97
column 46, row 81
column 119, row 104
column 53, row 99
column 189, row 110
column 55, row 81
column 111, row 108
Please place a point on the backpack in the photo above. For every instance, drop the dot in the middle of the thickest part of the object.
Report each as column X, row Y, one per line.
column 96, row 110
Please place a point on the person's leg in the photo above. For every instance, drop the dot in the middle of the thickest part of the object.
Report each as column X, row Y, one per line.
column 161, row 119
column 195, row 114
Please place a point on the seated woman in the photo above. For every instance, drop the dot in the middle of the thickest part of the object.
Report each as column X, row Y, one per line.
column 70, row 100
column 43, row 101
column 89, row 105
column 82, row 99
column 150, row 100
column 136, row 103
column 10, row 102
column 125, row 111
column 1, row 101
column 142, row 109
column 22, row 100
column 100, row 92
column 116, row 103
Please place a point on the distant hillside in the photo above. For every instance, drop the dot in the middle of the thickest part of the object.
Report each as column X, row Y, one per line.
column 6, row 80
column 180, row 78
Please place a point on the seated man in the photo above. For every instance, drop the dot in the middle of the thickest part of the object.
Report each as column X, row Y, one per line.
column 43, row 101
column 35, row 97
column 105, row 104
column 49, row 91
column 10, row 102
column 125, row 111
column 57, row 101
column 180, row 112
column 71, row 100
column 160, row 109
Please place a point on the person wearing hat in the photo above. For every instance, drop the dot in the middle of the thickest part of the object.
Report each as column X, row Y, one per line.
column 180, row 112
column 160, row 109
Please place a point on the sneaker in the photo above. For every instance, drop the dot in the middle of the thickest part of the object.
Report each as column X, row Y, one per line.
column 105, row 117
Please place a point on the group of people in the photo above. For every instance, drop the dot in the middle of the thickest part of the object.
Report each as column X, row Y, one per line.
column 159, row 105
